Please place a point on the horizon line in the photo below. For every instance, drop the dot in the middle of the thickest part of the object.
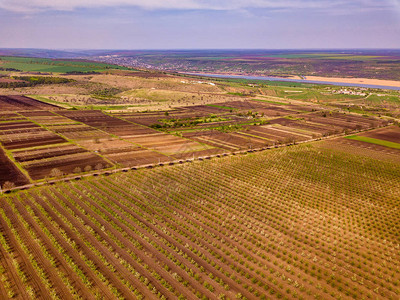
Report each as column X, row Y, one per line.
column 192, row 49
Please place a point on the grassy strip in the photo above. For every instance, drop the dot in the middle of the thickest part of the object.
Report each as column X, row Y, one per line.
column 237, row 94
column 374, row 141
column 222, row 107
column 255, row 136
column 40, row 147
column 272, row 102
column 108, row 107
column 47, row 100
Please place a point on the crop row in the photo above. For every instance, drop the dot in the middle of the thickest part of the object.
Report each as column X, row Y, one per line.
column 297, row 222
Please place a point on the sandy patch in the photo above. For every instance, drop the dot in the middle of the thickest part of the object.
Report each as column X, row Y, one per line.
column 356, row 80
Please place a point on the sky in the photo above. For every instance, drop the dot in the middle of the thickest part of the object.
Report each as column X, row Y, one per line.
column 199, row 24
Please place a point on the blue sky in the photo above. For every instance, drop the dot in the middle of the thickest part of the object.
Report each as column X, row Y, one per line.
column 199, row 24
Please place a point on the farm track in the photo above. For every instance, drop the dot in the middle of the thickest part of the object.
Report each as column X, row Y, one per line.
column 15, row 103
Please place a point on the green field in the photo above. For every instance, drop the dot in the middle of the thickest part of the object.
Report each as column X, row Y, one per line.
column 243, row 81
column 46, row 100
column 28, row 64
column 374, row 141
column 222, row 107
column 392, row 99
column 272, row 102
column 315, row 94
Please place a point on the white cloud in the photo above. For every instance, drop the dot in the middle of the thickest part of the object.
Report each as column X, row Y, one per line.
column 68, row 5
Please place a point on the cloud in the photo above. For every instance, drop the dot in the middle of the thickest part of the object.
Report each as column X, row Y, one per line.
column 32, row 6
column 68, row 5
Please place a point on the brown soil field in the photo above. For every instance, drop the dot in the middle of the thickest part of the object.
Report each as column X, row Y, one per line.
column 39, row 169
column 18, row 103
column 7, row 116
column 79, row 132
column 135, row 157
column 32, row 142
column 17, row 125
column 168, row 144
column 276, row 133
column 37, row 113
column 259, row 136
column 228, row 141
column 47, row 118
column 340, row 122
column 205, row 137
column 21, row 132
column 9, row 172
column 197, row 154
column 43, row 153
column 104, row 145
column 301, row 124
column 391, row 134
column 107, row 123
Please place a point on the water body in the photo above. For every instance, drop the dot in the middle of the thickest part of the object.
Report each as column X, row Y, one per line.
column 370, row 86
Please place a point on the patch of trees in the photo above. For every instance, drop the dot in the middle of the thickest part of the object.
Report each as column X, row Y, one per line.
column 28, row 81
column 12, row 84
column 10, row 69
column 43, row 80
column 186, row 122
column 106, row 93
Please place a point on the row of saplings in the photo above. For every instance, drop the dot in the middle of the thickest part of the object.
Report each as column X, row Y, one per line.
column 55, row 173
